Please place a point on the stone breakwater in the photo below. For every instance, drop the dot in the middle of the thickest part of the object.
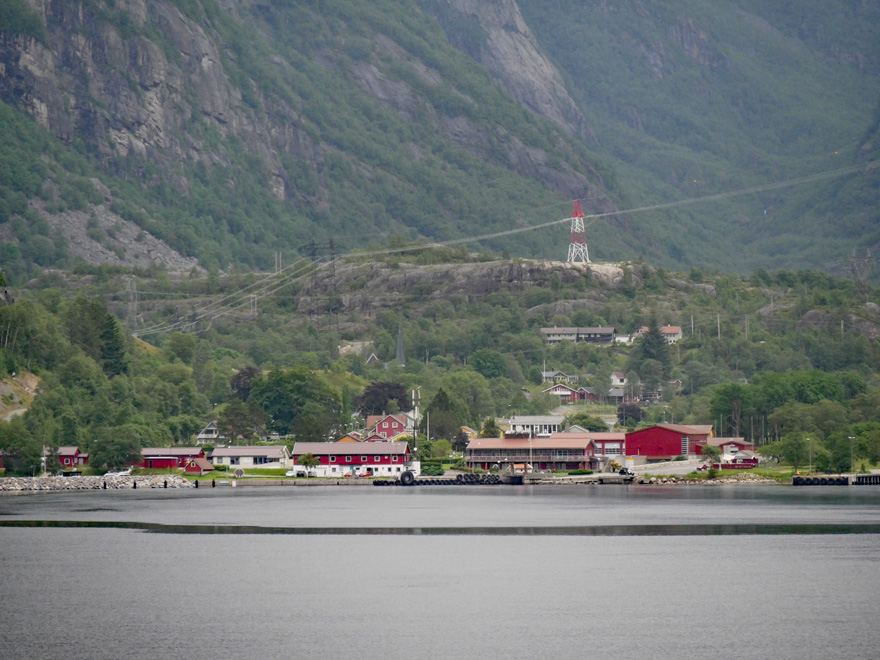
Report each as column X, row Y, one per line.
column 93, row 483
column 740, row 478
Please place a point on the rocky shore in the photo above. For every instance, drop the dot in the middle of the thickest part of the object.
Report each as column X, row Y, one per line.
column 16, row 484
column 739, row 478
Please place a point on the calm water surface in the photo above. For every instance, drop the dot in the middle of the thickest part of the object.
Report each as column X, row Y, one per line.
column 127, row 593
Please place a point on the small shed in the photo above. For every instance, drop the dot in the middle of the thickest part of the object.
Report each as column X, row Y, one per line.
column 198, row 466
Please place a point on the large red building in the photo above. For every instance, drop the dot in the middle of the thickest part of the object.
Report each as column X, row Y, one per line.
column 664, row 442
column 344, row 459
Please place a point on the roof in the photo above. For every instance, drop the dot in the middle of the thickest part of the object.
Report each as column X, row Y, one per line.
column 400, row 418
column 605, row 330
column 665, row 329
column 717, row 442
column 686, row 430
column 592, row 435
column 270, row 451
column 171, row 451
column 202, row 463
column 558, row 385
column 349, row 448
column 555, row 441
column 63, row 451
column 537, row 419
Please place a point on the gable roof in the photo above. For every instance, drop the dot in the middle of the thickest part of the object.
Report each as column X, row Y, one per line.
column 349, row 448
column 276, row 452
column 171, row 451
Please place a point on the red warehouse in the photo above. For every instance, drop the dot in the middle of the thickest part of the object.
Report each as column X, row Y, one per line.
column 665, row 441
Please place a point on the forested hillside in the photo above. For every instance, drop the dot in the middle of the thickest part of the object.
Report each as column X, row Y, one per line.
column 788, row 356
column 226, row 135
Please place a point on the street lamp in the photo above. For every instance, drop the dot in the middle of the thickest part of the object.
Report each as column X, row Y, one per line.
column 852, row 465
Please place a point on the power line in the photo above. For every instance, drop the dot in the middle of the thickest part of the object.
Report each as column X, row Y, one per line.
column 290, row 274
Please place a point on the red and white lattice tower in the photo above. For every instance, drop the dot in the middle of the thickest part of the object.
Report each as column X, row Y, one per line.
column 577, row 245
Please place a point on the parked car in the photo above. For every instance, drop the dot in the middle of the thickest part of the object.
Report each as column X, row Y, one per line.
column 300, row 472
column 625, row 471
column 704, row 466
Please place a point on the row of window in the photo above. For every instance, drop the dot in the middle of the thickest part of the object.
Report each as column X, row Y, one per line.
column 364, row 459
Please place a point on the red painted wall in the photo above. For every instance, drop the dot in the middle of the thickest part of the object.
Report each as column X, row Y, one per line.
column 658, row 441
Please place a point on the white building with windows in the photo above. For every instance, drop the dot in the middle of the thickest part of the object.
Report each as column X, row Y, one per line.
column 266, row 457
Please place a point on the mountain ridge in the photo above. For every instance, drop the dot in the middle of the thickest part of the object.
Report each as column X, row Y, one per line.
column 230, row 130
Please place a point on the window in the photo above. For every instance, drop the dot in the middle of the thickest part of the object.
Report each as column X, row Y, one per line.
column 333, row 460
column 685, row 445
column 376, row 458
column 363, row 459
column 348, row 459
column 384, row 425
column 394, row 459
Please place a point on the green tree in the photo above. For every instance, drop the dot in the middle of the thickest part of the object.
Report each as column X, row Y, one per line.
column 119, row 446
column 795, row 449
column 653, row 346
column 587, row 422
column 182, row 346
column 731, row 402
column 377, row 397
column 242, row 381
column 488, row 363
column 711, row 454
column 490, row 429
column 240, row 419
column 308, row 461
column 299, row 402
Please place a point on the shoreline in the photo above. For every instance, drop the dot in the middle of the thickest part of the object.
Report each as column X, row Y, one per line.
column 175, row 481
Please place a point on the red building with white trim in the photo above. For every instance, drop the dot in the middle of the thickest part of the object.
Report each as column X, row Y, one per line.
column 344, row 459
column 387, row 426
column 168, row 458
column 72, row 457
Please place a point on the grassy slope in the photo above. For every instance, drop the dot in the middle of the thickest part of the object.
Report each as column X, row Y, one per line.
column 767, row 102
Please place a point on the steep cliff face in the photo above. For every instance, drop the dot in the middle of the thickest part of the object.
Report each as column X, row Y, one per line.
column 510, row 51
column 129, row 77
column 162, row 91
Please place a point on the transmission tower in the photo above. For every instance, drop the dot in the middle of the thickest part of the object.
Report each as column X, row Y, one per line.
column 577, row 244
column 131, row 308
column 860, row 263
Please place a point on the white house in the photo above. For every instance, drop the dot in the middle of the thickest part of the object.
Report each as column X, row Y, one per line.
column 272, row 456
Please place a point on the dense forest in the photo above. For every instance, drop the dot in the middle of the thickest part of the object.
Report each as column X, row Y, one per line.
column 787, row 357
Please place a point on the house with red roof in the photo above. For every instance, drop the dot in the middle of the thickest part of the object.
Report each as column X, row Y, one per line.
column 671, row 333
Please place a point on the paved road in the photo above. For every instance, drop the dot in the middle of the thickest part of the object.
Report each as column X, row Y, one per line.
column 677, row 468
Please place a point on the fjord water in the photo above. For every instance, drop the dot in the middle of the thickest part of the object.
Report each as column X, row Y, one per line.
column 422, row 573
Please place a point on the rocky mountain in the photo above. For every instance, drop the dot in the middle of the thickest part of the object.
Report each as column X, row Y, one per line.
column 228, row 133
